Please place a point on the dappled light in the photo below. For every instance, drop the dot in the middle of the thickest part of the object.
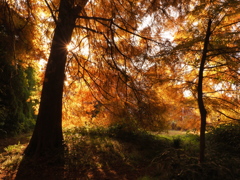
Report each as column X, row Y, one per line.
column 119, row 89
column 116, row 153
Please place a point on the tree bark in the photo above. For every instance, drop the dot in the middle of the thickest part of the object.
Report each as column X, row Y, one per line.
column 201, row 106
column 47, row 136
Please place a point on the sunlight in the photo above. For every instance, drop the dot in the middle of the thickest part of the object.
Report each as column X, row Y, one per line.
column 70, row 47
column 42, row 15
column 42, row 64
column 80, row 48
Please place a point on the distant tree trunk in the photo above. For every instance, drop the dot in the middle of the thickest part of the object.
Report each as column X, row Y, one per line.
column 202, row 109
column 47, row 136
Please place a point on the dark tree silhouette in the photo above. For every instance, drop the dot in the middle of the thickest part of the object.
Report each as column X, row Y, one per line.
column 202, row 109
column 47, row 136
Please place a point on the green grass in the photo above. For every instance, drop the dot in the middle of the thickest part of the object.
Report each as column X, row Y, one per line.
column 117, row 153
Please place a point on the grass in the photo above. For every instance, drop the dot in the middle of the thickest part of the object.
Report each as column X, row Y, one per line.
column 116, row 153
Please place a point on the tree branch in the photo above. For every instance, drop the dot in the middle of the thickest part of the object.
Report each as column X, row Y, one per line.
column 134, row 33
column 95, row 18
column 112, row 23
column 228, row 116
column 89, row 29
column 54, row 17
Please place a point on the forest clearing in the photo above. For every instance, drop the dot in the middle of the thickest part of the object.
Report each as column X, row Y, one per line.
column 101, row 154
column 119, row 89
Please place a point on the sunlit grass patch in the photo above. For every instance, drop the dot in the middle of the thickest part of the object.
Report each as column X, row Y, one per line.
column 10, row 159
column 14, row 149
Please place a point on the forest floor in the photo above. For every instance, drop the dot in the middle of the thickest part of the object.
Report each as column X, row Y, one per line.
column 115, row 154
column 15, row 140
column 11, row 149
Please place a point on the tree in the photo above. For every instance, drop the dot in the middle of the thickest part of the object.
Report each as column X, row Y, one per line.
column 211, row 50
column 50, row 110
column 17, row 75
column 201, row 105
column 112, row 34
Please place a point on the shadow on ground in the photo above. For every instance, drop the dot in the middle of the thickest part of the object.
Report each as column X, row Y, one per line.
column 121, row 155
column 33, row 170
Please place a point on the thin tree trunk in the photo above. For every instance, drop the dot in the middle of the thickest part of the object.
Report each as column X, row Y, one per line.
column 202, row 109
column 47, row 136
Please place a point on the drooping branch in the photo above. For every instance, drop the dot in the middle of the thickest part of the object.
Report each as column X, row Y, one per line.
column 50, row 9
column 90, row 75
column 135, row 34
column 89, row 29
column 228, row 116
column 113, row 23
column 95, row 18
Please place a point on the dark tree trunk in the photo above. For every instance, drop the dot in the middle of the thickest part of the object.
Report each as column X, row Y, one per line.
column 47, row 136
column 202, row 109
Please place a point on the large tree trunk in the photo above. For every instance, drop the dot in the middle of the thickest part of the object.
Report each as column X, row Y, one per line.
column 202, row 109
column 47, row 136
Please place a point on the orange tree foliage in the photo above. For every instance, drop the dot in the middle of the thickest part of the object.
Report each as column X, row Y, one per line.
column 120, row 61
column 221, row 74
column 109, row 61
column 19, row 55
column 112, row 38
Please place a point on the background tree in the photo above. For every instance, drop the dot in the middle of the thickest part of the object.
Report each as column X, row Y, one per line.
column 218, row 57
column 201, row 105
column 17, row 74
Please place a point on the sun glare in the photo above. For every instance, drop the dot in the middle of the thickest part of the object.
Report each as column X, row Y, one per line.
column 80, row 48
column 70, row 47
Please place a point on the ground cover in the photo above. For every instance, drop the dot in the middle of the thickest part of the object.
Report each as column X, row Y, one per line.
column 115, row 153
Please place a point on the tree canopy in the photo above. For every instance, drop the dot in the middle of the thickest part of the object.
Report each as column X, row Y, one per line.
column 18, row 89
column 132, row 62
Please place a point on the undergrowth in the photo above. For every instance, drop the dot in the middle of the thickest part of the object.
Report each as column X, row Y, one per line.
column 118, row 153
